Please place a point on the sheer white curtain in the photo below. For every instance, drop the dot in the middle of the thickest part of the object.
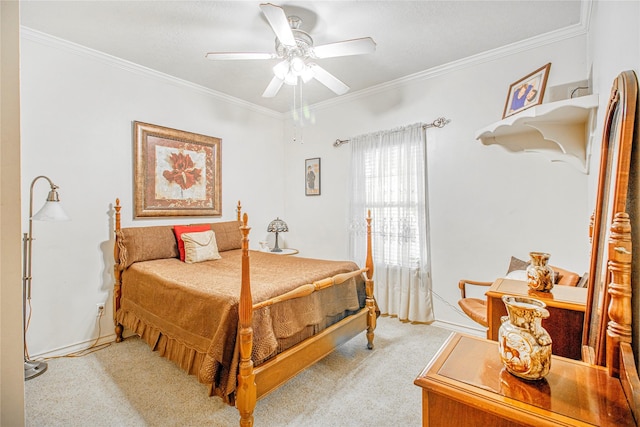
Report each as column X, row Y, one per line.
column 388, row 177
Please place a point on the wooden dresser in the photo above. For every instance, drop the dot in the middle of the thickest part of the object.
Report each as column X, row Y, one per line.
column 566, row 305
column 465, row 385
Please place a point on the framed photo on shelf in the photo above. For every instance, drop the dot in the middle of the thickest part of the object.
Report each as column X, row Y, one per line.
column 526, row 92
column 312, row 177
column 176, row 173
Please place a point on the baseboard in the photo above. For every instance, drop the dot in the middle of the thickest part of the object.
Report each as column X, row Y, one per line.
column 74, row 348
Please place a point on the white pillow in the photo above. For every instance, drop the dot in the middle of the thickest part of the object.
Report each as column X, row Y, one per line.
column 517, row 275
column 200, row 246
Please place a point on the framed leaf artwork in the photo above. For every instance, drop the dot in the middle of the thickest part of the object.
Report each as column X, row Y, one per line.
column 177, row 173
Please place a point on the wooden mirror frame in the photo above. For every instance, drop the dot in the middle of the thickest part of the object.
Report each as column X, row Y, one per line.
column 611, row 198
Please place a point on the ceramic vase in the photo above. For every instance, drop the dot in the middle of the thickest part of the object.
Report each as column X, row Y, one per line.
column 539, row 273
column 524, row 345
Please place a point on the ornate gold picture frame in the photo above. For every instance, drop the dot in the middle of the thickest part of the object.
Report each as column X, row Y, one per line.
column 177, row 173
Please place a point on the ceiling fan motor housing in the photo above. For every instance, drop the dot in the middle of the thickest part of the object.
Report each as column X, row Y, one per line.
column 304, row 42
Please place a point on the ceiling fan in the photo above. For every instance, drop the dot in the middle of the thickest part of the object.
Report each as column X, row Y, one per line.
column 296, row 50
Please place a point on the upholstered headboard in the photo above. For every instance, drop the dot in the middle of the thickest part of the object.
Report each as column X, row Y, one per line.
column 136, row 244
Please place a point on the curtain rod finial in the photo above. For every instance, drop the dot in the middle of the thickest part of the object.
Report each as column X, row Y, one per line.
column 339, row 142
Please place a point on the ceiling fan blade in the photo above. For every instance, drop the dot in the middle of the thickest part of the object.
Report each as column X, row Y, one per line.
column 344, row 48
column 240, row 55
column 274, row 86
column 279, row 23
column 328, row 79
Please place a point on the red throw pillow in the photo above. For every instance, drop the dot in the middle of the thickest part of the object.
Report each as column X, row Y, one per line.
column 179, row 229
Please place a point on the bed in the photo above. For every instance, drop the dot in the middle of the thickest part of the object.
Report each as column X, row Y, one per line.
column 245, row 321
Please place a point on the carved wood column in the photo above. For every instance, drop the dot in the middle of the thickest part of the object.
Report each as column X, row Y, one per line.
column 619, row 289
column 370, row 301
column 117, row 274
column 246, row 392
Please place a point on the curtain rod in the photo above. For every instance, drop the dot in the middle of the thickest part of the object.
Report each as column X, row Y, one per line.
column 440, row 122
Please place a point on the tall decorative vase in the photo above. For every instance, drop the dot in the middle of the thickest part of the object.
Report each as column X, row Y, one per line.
column 539, row 273
column 524, row 345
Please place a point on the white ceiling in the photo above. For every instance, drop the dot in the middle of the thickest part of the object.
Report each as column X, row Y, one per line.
column 411, row 36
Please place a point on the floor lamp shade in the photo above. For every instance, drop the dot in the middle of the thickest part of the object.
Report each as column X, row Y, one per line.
column 51, row 211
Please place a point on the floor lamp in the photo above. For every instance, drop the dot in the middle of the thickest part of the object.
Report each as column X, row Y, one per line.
column 51, row 211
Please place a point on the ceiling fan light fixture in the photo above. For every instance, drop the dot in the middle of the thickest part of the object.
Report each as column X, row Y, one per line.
column 291, row 79
column 307, row 74
column 281, row 69
column 297, row 65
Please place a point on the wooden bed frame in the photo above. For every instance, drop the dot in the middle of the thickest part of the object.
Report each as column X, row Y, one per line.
column 255, row 382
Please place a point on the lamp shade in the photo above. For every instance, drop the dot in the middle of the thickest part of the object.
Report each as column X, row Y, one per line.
column 51, row 211
column 277, row 226
column 281, row 69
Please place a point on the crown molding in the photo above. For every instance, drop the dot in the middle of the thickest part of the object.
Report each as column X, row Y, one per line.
column 58, row 43
column 576, row 30
column 522, row 46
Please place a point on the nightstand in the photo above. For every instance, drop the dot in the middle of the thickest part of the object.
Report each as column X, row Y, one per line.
column 287, row 251
column 566, row 305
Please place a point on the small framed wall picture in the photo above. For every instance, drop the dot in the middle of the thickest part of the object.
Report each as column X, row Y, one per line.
column 526, row 92
column 312, row 177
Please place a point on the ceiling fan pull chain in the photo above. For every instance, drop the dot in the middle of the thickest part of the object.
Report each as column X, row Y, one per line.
column 300, row 112
column 295, row 115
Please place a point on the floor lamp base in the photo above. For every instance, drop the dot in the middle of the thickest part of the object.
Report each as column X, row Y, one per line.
column 33, row 368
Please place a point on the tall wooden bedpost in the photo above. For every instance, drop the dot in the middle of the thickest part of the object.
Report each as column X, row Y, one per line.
column 370, row 301
column 117, row 272
column 239, row 211
column 246, row 391
column 619, row 288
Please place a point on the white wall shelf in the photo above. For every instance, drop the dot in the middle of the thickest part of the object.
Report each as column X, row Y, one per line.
column 559, row 130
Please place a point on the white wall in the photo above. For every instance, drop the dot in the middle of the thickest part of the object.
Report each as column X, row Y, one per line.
column 486, row 204
column 77, row 114
column 614, row 46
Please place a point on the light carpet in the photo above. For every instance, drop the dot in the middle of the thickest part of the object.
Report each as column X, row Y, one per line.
column 127, row 384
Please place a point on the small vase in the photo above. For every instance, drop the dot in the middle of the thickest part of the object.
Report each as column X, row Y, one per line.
column 524, row 345
column 539, row 273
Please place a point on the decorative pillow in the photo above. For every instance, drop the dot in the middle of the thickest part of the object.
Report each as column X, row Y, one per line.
column 518, row 267
column 228, row 235
column 517, row 275
column 145, row 243
column 180, row 229
column 200, row 246
column 517, row 264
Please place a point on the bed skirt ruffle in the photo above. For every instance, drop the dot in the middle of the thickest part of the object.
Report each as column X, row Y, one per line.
column 187, row 358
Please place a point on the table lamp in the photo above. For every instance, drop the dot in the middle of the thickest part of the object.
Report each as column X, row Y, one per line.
column 277, row 226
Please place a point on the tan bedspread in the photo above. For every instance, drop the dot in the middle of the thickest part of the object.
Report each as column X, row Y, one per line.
column 189, row 312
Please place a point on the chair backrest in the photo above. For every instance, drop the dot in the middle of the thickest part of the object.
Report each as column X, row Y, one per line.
column 629, row 378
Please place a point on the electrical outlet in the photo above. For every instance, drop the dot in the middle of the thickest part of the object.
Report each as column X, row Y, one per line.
column 100, row 307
